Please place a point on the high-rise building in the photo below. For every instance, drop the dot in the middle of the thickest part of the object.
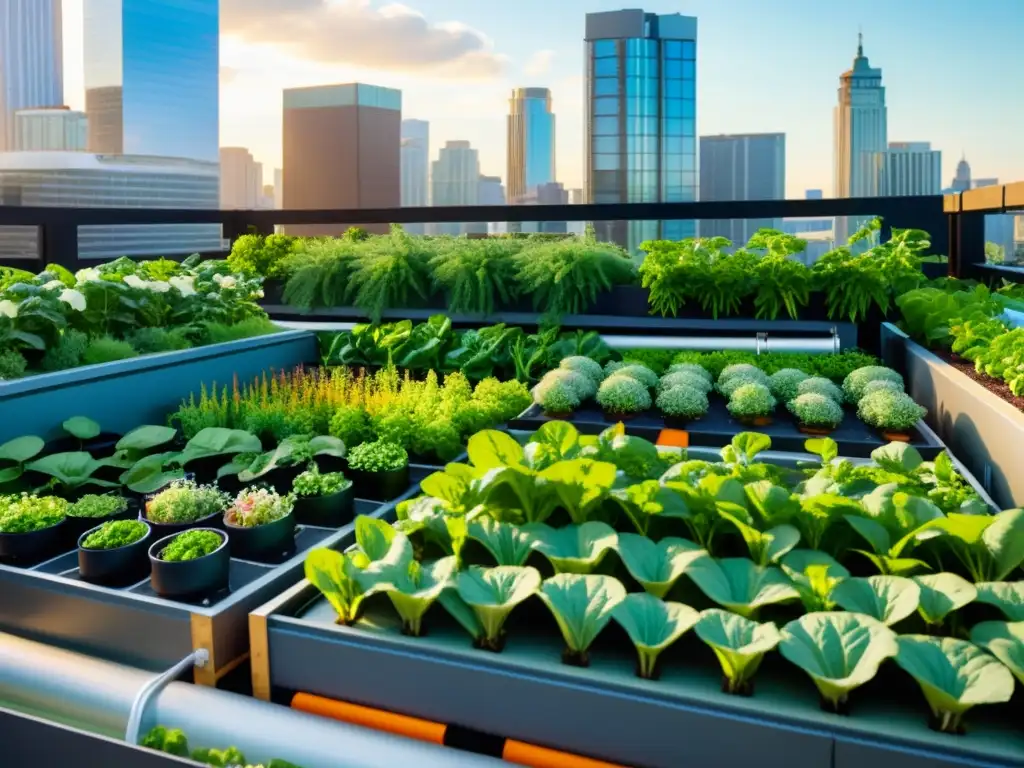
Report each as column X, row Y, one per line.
column 490, row 191
column 962, row 180
column 576, row 197
column 531, row 141
column 51, row 129
column 907, row 168
column 749, row 166
column 278, row 188
column 342, row 150
column 31, row 60
column 415, row 168
column 152, row 77
column 861, row 130
column 241, row 179
column 543, row 194
column 454, row 180
column 641, row 118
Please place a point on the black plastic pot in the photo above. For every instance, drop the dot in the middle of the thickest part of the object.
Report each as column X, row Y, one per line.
column 166, row 529
column 204, row 470
column 331, row 511
column 380, row 486
column 191, row 578
column 76, row 526
column 114, row 567
column 34, row 546
column 281, row 478
column 262, row 541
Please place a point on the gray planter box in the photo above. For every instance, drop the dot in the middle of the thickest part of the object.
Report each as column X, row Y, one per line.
column 122, row 395
column 984, row 430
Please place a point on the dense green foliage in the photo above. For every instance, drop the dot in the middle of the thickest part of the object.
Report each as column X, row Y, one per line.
column 378, row 456
column 253, row 507
column 95, row 506
column 27, row 513
column 184, row 501
column 312, row 483
column 191, row 545
column 835, row 367
column 115, row 534
column 174, row 742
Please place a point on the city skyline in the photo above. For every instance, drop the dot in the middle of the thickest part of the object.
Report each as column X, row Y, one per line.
column 457, row 76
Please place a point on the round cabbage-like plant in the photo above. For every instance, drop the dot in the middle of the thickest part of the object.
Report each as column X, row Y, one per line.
column 743, row 369
column 783, row 383
column 728, row 386
column 751, row 401
column 814, row 410
column 890, row 411
column 641, row 373
column 556, row 397
column 683, row 402
column 700, row 370
column 877, row 384
column 585, row 365
column 621, row 394
column 684, row 379
column 580, row 383
column 819, row 385
column 857, row 380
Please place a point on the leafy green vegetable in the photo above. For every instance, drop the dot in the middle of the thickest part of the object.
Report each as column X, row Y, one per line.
column 81, row 427
column 941, row 594
column 989, row 546
column 653, row 625
column 509, row 544
column 814, row 575
column 115, row 534
column 888, row 599
column 1005, row 641
column 657, row 565
column 412, row 588
column 582, row 606
column 336, row 576
column 192, row 545
column 1006, row 596
column 739, row 643
column 492, row 593
column 740, row 585
column 573, row 548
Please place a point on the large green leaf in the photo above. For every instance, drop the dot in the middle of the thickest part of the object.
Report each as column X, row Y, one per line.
column 581, row 484
column 900, row 458
column 334, row 575
column 773, row 503
column 814, row 574
column 740, row 585
column 1005, row 641
column 491, row 449
column 1007, row 596
column 739, row 644
column 554, row 441
column 492, row 593
column 81, row 427
column 145, row 438
column 218, row 441
column 941, row 594
column 21, row 449
column 381, row 544
column 653, row 625
column 657, row 565
column 839, row 650
column 989, row 546
column 151, row 473
column 508, row 544
column 413, row 587
column 888, row 599
column 644, row 501
column 72, row 470
column 766, row 547
column 582, row 606
column 573, row 548
column 954, row 676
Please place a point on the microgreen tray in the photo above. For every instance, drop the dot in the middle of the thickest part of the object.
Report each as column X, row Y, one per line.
column 717, row 428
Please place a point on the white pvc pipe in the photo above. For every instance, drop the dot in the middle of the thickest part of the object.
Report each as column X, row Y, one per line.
column 97, row 696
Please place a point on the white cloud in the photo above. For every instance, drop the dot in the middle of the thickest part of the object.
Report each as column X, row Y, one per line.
column 539, row 63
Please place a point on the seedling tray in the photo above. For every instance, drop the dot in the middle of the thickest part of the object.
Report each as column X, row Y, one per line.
column 49, row 602
column 717, row 428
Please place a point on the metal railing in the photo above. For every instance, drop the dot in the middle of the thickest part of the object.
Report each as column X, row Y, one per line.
column 966, row 212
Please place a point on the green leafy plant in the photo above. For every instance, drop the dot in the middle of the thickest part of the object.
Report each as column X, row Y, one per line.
column 990, row 547
column 657, row 566
column 69, row 472
column 818, row 411
column 888, row 599
column 581, row 385
column 582, row 605
column 816, row 385
column 585, row 365
column 1005, row 641
column 573, row 548
column 739, row 585
column 641, row 373
column 17, row 452
column 336, row 576
column 739, row 644
column 116, row 534
column 556, row 396
column 814, row 575
column 191, row 545
column 259, row 506
column 728, row 385
column 312, row 483
column 785, row 382
column 378, row 456
column 107, row 349
column 682, row 402
column 751, row 401
column 653, row 625
column 93, row 506
column 1006, row 596
column 890, row 411
column 28, row 513
column 620, row 394
column 183, row 501
column 492, row 593
column 941, row 594
column 685, row 378
column 477, row 275
column 856, row 381
column 413, row 587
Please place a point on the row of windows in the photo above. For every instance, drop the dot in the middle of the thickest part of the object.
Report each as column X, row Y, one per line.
column 646, row 107
column 645, row 68
column 648, row 164
column 671, row 49
column 669, row 145
column 644, row 126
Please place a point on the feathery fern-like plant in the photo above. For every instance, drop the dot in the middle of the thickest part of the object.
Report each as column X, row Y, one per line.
column 478, row 276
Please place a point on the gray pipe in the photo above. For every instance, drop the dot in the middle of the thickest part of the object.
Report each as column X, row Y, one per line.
column 96, row 696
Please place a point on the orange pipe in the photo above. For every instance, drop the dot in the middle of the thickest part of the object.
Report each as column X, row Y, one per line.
column 521, row 753
column 674, row 438
column 377, row 719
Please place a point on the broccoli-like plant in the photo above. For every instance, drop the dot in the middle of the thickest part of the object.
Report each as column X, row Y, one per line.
column 877, row 384
column 742, row 369
column 621, row 394
column 699, row 370
column 641, row 373
column 890, row 411
column 687, row 379
column 95, row 506
column 255, row 507
column 752, row 401
column 169, row 740
column 378, row 456
column 191, row 545
column 727, row 386
column 683, row 402
column 28, row 513
column 556, row 397
column 580, row 383
column 12, row 365
column 116, row 534
column 856, row 381
column 816, row 411
column 818, row 385
column 585, row 365
column 783, row 383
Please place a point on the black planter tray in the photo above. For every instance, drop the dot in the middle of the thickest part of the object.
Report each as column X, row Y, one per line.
column 717, row 428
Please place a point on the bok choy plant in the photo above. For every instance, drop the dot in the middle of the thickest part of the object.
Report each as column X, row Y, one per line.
column 889, row 599
column 739, row 643
column 653, row 625
column 1005, row 641
column 573, row 548
column 941, row 594
column 582, row 606
column 492, row 593
column 741, row 586
column 657, row 566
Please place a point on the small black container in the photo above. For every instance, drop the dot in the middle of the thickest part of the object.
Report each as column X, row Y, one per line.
column 262, row 542
column 205, row 470
column 332, row 511
column 281, row 478
column 76, row 526
column 381, row 486
column 166, row 529
column 192, row 578
column 34, row 546
column 114, row 567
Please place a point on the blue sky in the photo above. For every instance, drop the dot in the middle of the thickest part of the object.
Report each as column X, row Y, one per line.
column 952, row 70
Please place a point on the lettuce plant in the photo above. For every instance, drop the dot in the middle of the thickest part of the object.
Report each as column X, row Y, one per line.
column 1005, row 641
column 581, row 485
column 954, row 676
column 509, row 545
column 657, row 566
column 892, row 523
column 336, row 576
column 816, row 385
column 739, row 585
column 816, row 411
column 1004, row 595
column 840, row 651
column 888, row 599
column 854, row 383
column 378, row 456
column 814, row 575
column 739, row 643
column 573, row 548
column 941, row 594
column 766, row 547
column 890, row 410
column 585, row 365
column 582, row 606
column 653, row 625
column 682, row 402
column 192, row 545
column 819, row 512
column 29, row 513
column 17, row 452
column 643, row 502
column 751, row 401
column 784, row 383
column 621, row 394
column 684, row 378
column 492, row 593
column 990, row 547
column 412, row 587
column 700, row 512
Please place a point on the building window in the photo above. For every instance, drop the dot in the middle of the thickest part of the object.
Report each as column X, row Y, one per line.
column 606, row 162
column 606, row 86
column 604, row 48
column 606, row 126
column 673, row 49
column 606, row 106
column 689, row 50
column 606, row 144
column 690, row 70
column 606, row 67
column 673, row 68
column 689, row 108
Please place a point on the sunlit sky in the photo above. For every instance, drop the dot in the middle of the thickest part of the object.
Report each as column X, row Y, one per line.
column 952, row 70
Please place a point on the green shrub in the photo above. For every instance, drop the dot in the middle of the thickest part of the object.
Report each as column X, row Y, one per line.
column 478, row 276
column 95, row 506
column 115, row 534
column 378, row 456
column 693, row 368
column 392, row 271
column 834, row 367
column 820, row 386
column 28, row 513
column 641, row 373
column 12, row 364
column 556, row 396
column 584, row 387
column 683, row 402
column 890, row 410
column 585, row 365
column 728, row 385
column 219, row 333
column 751, row 400
column 684, row 379
column 107, row 349
column 67, row 352
column 853, row 385
column 185, row 502
column 152, row 340
column 815, row 410
column 191, row 545
column 256, row 255
column 784, row 383
column 658, row 360
column 350, row 425
column 742, row 369
column 623, row 394
column 877, row 384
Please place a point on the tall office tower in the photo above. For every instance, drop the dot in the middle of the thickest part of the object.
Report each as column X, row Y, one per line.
column 749, row 166
column 641, row 132
column 531, row 141
column 962, row 180
column 241, row 179
column 544, row 194
column 415, row 167
column 490, row 191
column 860, row 131
column 907, row 168
column 454, row 180
column 50, row 129
column 342, row 149
column 152, row 77
column 31, row 60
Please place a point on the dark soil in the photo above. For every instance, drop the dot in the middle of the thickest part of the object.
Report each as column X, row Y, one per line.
column 994, row 386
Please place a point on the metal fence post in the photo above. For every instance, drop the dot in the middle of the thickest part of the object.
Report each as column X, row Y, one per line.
column 58, row 244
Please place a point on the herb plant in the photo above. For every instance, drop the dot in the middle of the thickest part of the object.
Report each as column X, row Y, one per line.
column 116, row 534
column 818, row 411
column 28, row 513
column 312, row 483
column 817, row 385
column 684, row 378
column 751, row 401
column 184, row 501
column 191, row 545
column 378, row 456
column 255, row 507
column 93, row 506
column 641, row 373
column 728, row 385
column 621, row 394
column 585, row 365
column 854, row 384
column 890, row 411
column 556, row 396
column 683, row 402
column 784, row 383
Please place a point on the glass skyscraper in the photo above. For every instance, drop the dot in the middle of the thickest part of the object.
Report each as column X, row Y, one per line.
column 641, row 121
column 152, row 77
column 31, row 60
column 531, row 141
